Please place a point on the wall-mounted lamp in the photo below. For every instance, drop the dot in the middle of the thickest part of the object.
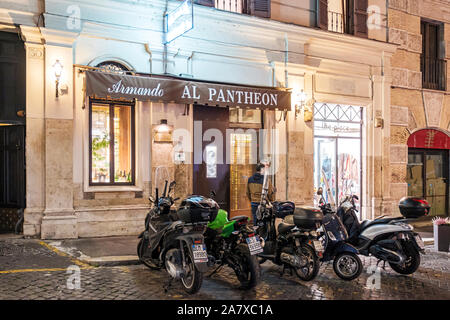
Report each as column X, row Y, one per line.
column 57, row 69
column 303, row 104
column 163, row 132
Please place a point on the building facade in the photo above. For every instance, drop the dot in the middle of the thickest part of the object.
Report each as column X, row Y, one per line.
column 92, row 159
column 420, row 102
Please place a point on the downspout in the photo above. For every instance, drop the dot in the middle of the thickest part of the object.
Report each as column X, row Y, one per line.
column 150, row 60
column 286, row 80
column 165, row 38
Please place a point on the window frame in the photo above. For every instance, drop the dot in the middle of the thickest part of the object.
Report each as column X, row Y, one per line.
column 112, row 104
column 439, row 57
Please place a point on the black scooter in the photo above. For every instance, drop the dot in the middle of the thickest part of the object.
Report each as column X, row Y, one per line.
column 346, row 263
column 174, row 241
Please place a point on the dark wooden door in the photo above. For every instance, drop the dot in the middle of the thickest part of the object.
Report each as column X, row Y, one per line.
column 12, row 129
column 216, row 174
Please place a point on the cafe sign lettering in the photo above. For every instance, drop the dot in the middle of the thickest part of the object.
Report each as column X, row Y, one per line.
column 142, row 88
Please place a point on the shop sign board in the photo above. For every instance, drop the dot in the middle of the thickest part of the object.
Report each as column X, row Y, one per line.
column 179, row 21
column 114, row 86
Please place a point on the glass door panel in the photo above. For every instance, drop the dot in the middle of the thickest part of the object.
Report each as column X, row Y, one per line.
column 241, row 168
column 325, row 167
column 436, row 184
column 349, row 167
column 414, row 176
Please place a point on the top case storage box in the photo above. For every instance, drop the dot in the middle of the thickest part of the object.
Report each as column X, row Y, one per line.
column 308, row 217
column 413, row 207
column 195, row 209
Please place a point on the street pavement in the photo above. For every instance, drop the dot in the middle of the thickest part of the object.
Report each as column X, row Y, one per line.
column 32, row 269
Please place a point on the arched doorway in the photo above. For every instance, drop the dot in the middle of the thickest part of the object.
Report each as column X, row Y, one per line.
column 428, row 168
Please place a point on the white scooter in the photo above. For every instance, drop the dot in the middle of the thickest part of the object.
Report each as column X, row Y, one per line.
column 391, row 239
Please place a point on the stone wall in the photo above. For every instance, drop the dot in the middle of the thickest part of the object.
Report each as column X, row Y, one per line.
column 413, row 107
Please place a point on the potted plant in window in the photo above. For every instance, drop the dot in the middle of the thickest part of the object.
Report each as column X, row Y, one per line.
column 441, row 228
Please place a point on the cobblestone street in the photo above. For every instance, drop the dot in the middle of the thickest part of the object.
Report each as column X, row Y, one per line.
column 31, row 270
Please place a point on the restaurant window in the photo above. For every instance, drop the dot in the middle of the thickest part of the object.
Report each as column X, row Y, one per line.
column 433, row 66
column 337, row 150
column 111, row 142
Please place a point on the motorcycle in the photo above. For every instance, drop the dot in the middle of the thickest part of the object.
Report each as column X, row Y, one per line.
column 346, row 263
column 234, row 243
column 294, row 244
column 174, row 240
column 390, row 239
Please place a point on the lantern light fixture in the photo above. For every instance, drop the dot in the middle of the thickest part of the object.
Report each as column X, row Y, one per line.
column 57, row 68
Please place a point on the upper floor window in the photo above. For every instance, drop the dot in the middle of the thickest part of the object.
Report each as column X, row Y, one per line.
column 433, row 65
column 259, row 8
column 343, row 16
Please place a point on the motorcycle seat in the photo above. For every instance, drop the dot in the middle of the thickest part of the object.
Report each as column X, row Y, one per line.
column 368, row 223
column 284, row 227
column 239, row 218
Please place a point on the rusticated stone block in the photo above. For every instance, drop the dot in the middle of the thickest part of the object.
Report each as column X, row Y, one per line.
column 399, row 153
column 413, row 7
column 400, row 77
column 404, row 21
column 414, row 42
column 399, row 116
column 411, row 121
column 398, row 4
column 398, row 191
column 399, row 37
column 433, row 106
column 414, row 79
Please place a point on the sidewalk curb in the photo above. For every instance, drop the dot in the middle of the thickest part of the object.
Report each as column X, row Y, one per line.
column 105, row 261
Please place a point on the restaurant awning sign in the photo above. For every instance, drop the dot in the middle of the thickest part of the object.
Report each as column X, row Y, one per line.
column 114, row 86
column 179, row 21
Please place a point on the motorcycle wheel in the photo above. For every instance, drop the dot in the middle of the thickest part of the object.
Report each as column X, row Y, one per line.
column 192, row 281
column 310, row 271
column 250, row 273
column 411, row 264
column 146, row 261
column 347, row 266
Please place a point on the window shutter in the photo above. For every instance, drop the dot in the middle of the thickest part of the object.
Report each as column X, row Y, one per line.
column 206, row 3
column 322, row 14
column 360, row 18
column 260, row 8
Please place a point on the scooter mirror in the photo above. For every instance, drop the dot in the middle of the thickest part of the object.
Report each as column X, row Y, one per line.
column 151, row 199
column 320, row 191
column 213, row 193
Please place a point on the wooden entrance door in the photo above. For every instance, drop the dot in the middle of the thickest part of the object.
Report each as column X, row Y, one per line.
column 214, row 175
column 12, row 129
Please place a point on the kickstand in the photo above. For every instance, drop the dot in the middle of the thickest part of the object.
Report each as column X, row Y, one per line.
column 282, row 271
column 167, row 286
column 215, row 271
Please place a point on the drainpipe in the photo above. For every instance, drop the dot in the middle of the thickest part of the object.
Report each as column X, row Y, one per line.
column 286, row 76
column 165, row 38
column 147, row 49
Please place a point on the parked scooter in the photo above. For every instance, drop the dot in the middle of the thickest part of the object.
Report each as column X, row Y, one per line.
column 174, row 240
column 295, row 245
column 234, row 243
column 391, row 239
column 346, row 263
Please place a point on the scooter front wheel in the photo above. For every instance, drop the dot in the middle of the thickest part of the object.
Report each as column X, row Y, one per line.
column 347, row 266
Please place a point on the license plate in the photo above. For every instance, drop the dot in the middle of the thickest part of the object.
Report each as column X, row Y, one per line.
column 254, row 245
column 419, row 241
column 318, row 246
column 199, row 251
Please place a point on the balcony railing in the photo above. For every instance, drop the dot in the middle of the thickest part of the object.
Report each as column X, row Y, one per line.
column 335, row 22
column 434, row 73
column 239, row 6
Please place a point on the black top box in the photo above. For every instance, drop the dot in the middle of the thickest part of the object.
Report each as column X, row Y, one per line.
column 413, row 207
